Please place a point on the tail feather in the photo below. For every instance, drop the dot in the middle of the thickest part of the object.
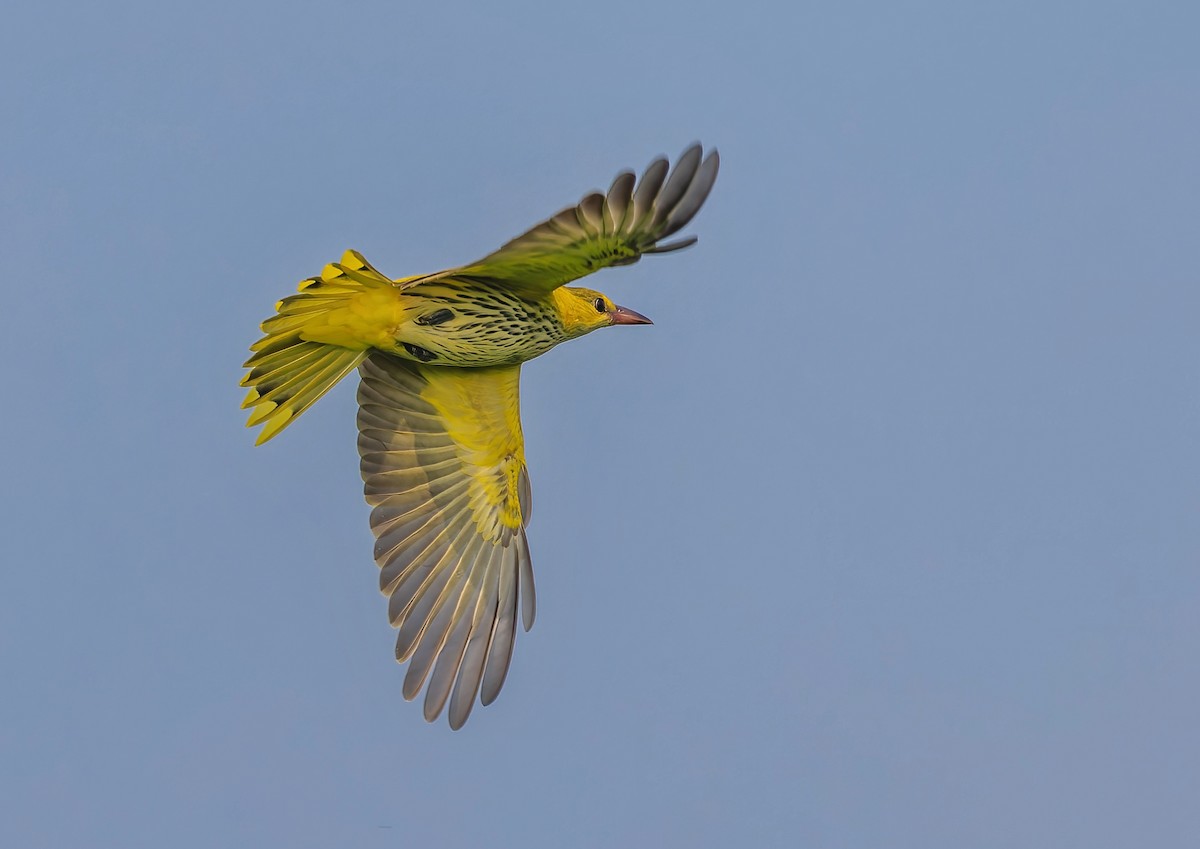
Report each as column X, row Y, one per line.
column 310, row 343
column 313, row 372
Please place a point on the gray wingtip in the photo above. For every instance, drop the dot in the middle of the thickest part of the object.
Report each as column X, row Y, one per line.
column 677, row 245
column 525, row 583
column 691, row 190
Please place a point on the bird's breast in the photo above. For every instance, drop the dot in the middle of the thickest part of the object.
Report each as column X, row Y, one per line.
column 458, row 326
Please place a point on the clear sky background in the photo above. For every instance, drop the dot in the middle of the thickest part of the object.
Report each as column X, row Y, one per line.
column 885, row 535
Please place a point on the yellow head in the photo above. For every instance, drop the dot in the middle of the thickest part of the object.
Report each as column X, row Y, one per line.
column 584, row 310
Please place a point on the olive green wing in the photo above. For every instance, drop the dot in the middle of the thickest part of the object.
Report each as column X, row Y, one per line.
column 444, row 470
column 602, row 230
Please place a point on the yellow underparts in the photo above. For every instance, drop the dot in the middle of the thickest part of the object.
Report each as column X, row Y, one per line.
column 481, row 411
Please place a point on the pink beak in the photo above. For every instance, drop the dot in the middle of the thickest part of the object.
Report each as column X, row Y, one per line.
column 623, row 315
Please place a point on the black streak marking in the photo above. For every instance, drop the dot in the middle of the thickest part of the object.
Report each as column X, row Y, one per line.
column 435, row 318
column 420, row 353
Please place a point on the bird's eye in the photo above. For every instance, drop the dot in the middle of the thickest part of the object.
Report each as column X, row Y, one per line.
column 599, row 304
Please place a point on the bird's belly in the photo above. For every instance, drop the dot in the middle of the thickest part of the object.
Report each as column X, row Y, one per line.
column 447, row 326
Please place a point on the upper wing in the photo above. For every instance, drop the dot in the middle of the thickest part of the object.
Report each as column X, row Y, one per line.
column 602, row 230
column 444, row 469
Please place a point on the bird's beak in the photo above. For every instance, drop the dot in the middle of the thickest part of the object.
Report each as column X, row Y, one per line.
column 623, row 315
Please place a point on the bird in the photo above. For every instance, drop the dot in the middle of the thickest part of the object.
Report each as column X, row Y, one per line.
column 439, row 431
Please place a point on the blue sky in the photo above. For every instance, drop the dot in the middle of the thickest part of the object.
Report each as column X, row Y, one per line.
column 885, row 534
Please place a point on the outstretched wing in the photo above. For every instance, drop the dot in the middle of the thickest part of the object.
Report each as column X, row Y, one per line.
column 602, row 230
column 444, row 469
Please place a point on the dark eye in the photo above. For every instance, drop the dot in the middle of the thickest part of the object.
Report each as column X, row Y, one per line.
column 599, row 304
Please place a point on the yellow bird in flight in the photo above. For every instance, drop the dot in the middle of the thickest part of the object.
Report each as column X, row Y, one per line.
column 439, row 429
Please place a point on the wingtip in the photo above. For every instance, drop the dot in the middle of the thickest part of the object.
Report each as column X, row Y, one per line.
column 677, row 245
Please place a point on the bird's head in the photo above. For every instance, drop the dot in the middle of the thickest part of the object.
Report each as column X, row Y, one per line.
column 584, row 310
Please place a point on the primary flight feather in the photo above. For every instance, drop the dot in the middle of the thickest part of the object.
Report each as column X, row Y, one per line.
column 439, row 429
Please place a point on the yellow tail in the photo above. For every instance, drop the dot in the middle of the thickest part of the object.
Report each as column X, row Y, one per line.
column 316, row 338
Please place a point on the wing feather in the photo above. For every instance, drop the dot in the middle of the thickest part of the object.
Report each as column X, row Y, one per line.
column 602, row 230
column 470, row 673
column 408, row 545
column 677, row 183
column 616, row 202
column 648, row 189
column 449, row 666
column 504, row 632
column 443, row 467
column 443, row 616
column 414, row 594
